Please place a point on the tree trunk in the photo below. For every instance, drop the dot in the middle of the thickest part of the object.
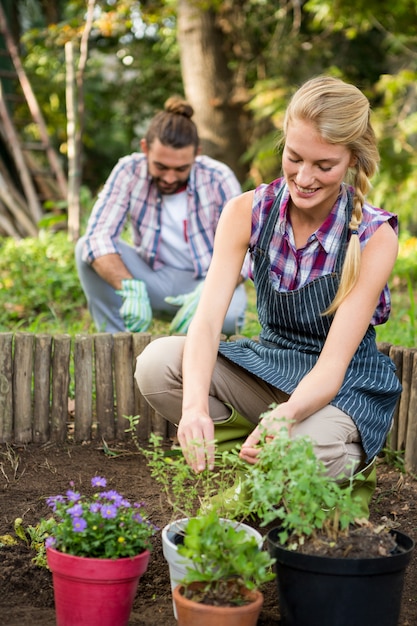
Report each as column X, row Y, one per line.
column 208, row 83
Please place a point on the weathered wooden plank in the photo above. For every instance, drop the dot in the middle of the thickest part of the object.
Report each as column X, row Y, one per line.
column 60, row 387
column 123, row 377
column 103, row 352
column 6, row 387
column 83, row 379
column 396, row 354
column 41, row 388
column 384, row 347
column 22, row 386
column 142, row 408
column 403, row 411
column 411, row 439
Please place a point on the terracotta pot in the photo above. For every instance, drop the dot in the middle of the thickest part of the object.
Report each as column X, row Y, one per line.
column 94, row 592
column 172, row 536
column 191, row 613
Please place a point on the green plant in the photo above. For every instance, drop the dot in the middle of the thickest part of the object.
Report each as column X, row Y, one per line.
column 104, row 525
column 225, row 559
column 185, row 491
column 394, row 458
column 35, row 537
column 289, row 486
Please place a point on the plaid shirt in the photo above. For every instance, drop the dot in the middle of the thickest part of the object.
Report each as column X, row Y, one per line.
column 291, row 268
column 129, row 193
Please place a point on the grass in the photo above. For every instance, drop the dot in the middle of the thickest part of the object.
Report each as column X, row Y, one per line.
column 40, row 292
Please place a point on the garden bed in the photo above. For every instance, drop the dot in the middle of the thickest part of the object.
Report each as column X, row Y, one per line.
column 31, row 473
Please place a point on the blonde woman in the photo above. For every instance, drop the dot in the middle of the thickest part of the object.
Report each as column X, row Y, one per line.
column 321, row 257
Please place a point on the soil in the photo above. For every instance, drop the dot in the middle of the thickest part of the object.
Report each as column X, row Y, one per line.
column 31, row 473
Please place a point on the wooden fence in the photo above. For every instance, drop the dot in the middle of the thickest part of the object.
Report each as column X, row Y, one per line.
column 39, row 373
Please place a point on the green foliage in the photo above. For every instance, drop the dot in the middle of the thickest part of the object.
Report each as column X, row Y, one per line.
column 39, row 286
column 395, row 458
column 289, row 486
column 223, row 555
column 133, row 67
column 104, row 525
column 401, row 328
column 184, row 490
column 35, row 537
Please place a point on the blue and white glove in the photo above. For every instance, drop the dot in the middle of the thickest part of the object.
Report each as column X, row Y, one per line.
column 188, row 303
column 136, row 309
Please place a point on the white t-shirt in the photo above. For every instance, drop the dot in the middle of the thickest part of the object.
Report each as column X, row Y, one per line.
column 174, row 249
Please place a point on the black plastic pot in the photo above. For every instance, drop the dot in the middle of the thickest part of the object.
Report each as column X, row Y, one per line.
column 322, row 591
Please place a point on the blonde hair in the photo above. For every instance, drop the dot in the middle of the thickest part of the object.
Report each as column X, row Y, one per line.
column 340, row 113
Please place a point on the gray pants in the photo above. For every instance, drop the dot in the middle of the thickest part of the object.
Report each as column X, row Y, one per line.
column 104, row 303
column 159, row 378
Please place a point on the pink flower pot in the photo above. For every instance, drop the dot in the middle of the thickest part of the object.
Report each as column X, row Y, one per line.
column 94, row 592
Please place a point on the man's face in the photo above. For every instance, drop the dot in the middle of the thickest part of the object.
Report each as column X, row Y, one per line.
column 169, row 167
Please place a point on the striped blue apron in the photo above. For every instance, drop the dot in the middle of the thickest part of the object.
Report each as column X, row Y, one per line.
column 292, row 337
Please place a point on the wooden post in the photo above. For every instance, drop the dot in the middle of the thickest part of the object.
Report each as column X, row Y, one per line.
column 22, row 386
column 396, row 354
column 41, row 391
column 159, row 424
column 60, row 387
column 103, row 350
column 411, row 439
column 123, row 376
column 83, row 378
column 142, row 408
column 403, row 412
column 6, row 387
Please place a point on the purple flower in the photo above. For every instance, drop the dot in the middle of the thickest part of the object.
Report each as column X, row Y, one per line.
column 53, row 501
column 73, row 495
column 112, row 495
column 78, row 524
column 75, row 511
column 108, row 511
column 104, row 514
column 98, row 481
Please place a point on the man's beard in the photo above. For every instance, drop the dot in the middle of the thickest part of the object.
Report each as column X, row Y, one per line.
column 169, row 189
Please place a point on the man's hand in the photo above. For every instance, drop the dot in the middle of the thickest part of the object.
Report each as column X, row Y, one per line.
column 136, row 309
column 188, row 303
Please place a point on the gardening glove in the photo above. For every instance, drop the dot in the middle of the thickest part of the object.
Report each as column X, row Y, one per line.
column 188, row 303
column 136, row 309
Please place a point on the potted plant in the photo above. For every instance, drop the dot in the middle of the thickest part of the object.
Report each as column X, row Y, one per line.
column 98, row 548
column 333, row 568
column 228, row 568
column 186, row 494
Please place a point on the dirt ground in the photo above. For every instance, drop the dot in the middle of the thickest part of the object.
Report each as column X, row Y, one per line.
column 31, row 473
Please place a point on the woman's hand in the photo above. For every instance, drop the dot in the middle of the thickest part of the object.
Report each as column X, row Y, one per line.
column 196, row 437
column 268, row 428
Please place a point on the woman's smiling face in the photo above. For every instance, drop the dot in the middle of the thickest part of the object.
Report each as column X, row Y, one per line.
column 314, row 169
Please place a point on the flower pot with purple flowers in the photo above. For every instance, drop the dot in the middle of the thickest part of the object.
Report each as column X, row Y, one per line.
column 97, row 552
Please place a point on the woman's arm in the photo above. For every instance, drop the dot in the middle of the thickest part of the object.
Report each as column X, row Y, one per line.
column 231, row 243
column 349, row 326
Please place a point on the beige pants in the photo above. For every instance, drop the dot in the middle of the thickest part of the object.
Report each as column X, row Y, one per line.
column 159, row 378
